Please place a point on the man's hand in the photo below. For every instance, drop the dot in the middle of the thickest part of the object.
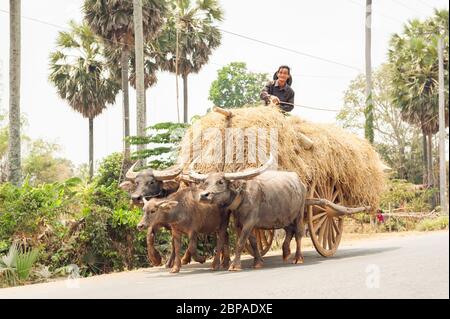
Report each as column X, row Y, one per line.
column 274, row 99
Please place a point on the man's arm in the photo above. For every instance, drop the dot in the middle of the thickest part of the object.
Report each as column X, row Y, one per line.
column 264, row 95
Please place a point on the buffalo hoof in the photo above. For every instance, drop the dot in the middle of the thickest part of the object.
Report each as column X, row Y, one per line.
column 235, row 267
column 286, row 259
column 258, row 264
column 200, row 259
column 298, row 260
column 225, row 264
column 175, row 270
column 215, row 266
column 185, row 261
column 169, row 263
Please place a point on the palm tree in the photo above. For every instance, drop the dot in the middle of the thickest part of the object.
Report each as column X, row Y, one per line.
column 79, row 73
column 369, row 134
column 112, row 20
column 413, row 55
column 14, row 158
column 197, row 38
column 150, row 65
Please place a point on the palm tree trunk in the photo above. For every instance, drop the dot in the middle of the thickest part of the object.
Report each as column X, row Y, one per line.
column 139, row 58
column 425, row 159
column 430, row 169
column 126, row 103
column 91, row 148
column 430, row 159
column 14, row 158
column 185, row 98
column 369, row 134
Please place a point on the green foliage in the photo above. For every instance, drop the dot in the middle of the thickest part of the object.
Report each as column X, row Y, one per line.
column 163, row 141
column 109, row 170
column 42, row 166
column 430, row 224
column 401, row 194
column 398, row 143
column 16, row 265
column 27, row 211
column 414, row 58
column 236, row 86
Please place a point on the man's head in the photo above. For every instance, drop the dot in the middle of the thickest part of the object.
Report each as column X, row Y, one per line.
column 283, row 75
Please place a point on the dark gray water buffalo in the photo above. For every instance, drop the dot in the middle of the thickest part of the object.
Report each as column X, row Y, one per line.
column 150, row 182
column 258, row 199
column 186, row 215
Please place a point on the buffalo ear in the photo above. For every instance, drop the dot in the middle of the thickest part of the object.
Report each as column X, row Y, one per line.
column 127, row 186
column 237, row 185
column 171, row 186
column 168, row 204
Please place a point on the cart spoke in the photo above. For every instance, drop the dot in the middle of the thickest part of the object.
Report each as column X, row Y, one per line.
column 330, row 234
column 323, row 235
column 336, row 227
column 320, row 223
column 319, row 215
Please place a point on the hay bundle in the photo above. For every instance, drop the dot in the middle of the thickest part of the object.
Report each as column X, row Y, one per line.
column 337, row 156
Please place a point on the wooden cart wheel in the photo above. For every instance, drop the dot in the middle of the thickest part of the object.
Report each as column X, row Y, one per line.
column 264, row 239
column 324, row 225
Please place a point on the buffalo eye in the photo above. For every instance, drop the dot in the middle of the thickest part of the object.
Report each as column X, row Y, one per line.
column 220, row 182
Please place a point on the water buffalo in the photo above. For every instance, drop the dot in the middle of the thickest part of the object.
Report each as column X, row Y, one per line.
column 258, row 198
column 186, row 215
column 150, row 183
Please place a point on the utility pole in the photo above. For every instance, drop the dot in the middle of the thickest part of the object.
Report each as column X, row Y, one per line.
column 14, row 143
column 368, row 112
column 442, row 172
column 140, row 87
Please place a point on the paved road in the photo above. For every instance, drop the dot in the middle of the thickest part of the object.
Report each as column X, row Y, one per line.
column 400, row 267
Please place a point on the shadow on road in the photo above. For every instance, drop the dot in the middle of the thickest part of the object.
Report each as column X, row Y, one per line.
column 274, row 261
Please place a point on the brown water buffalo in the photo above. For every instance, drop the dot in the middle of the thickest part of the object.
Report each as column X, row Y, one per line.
column 258, row 199
column 151, row 183
column 186, row 215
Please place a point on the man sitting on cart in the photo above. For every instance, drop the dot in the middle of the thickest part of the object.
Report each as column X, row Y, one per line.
column 279, row 90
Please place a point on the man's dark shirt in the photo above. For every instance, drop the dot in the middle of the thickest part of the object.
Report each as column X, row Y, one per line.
column 285, row 94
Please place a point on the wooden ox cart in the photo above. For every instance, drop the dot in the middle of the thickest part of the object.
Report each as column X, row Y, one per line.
column 324, row 213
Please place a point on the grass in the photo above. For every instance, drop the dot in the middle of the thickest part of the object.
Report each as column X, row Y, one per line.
column 433, row 224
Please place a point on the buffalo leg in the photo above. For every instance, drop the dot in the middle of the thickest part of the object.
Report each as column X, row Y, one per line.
column 192, row 248
column 153, row 255
column 298, row 238
column 221, row 240
column 170, row 261
column 243, row 237
column 177, row 247
column 287, row 242
column 226, row 252
column 258, row 261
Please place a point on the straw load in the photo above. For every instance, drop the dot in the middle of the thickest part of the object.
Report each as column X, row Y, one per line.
column 336, row 160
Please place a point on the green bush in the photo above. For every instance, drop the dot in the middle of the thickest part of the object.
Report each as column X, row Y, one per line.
column 109, row 171
column 401, row 194
column 430, row 224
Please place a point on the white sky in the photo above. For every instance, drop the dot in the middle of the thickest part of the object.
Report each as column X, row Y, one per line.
column 329, row 29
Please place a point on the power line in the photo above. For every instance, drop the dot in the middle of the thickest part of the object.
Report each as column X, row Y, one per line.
column 407, row 7
column 291, row 50
column 425, row 4
column 279, row 46
column 377, row 12
column 59, row 27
